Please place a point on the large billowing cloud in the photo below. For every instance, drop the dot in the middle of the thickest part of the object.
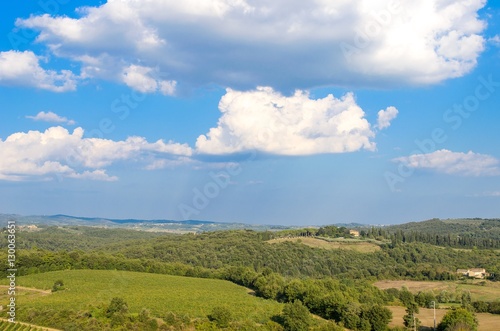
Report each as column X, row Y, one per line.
column 57, row 152
column 23, row 69
column 267, row 121
column 454, row 163
column 284, row 44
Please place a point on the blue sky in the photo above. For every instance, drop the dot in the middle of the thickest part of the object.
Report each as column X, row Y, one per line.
column 289, row 112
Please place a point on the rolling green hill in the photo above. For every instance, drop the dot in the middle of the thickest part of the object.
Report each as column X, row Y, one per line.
column 100, row 266
column 86, row 290
column 483, row 228
column 211, row 254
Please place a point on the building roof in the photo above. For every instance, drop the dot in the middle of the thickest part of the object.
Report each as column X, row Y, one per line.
column 477, row 270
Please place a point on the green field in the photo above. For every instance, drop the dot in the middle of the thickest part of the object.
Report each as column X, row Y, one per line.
column 193, row 297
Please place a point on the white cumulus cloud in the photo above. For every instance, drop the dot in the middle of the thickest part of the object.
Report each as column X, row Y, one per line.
column 57, row 152
column 454, row 163
column 385, row 117
column 284, row 44
column 268, row 121
column 51, row 117
column 141, row 78
column 23, row 69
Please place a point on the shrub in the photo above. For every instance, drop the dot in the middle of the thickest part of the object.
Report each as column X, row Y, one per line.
column 221, row 316
column 296, row 316
column 58, row 286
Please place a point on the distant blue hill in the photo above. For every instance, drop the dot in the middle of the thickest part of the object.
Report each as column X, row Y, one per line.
column 157, row 224
column 138, row 224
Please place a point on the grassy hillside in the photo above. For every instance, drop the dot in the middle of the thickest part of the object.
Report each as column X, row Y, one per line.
column 160, row 294
column 354, row 245
column 479, row 290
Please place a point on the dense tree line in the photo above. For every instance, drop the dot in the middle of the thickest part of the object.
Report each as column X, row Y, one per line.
column 486, row 307
column 355, row 304
column 213, row 252
column 474, row 233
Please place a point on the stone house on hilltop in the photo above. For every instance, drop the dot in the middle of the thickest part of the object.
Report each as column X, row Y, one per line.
column 478, row 273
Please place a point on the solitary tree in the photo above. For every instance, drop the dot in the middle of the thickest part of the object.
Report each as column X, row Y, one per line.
column 296, row 317
column 221, row 316
column 117, row 305
column 58, row 285
column 458, row 320
column 409, row 320
column 406, row 297
column 378, row 316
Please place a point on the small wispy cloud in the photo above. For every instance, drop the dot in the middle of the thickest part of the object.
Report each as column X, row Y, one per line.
column 51, row 118
column 385, row 117
column 495, row 40
column 487, row 194
column 255, row 182
column 454, row 163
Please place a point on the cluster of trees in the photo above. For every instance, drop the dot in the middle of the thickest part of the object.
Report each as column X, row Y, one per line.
column 456, row 319
column 427, row 299
column 486, row 307
column 421, row 299
column 356, row 305
column 333, row 231
column 447, row 240
column 114, row 316
column 477, row 233
column 330, row 231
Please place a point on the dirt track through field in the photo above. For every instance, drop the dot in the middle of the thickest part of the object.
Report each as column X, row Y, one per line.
column 43, row 328
column 27, row 289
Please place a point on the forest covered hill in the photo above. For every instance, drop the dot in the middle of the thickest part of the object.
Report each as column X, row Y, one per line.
column 289, row 266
